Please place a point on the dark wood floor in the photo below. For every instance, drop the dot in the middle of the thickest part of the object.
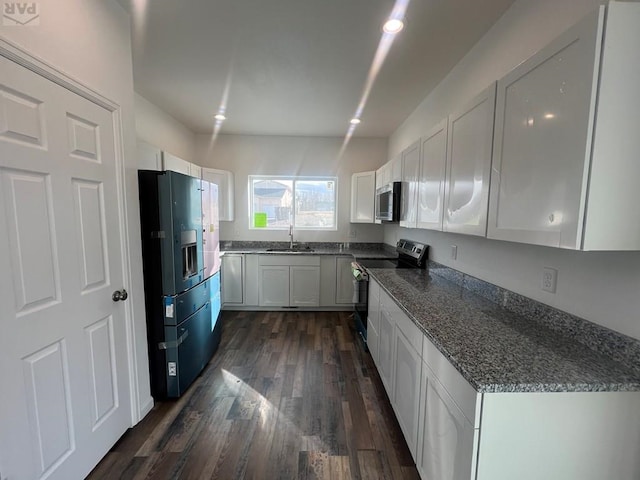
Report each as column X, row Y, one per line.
column 289, row 395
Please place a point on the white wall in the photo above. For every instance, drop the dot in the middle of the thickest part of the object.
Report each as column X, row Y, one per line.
column 89, row 40
column 275, row 155
column 161, row 130
column 601, row 287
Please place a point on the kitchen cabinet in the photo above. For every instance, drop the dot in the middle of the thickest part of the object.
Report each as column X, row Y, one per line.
column 363, row 197
column 410, row 178
column 175, row 164
column 469, row 148
column 565, row 165
column 389, row 172
column 232, row 278
column 239, row 277
column 274, row 286
column 446, row 436
column 373, row 319
column 344, row 281
column 225, row 182
column 195, row 170
column 433, row 160
column 289, row 280
column 407, row 367
column 148, row 156
column 457, row 433
column 385, row 342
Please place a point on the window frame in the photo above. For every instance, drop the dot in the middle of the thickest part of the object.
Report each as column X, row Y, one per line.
column 294, row 179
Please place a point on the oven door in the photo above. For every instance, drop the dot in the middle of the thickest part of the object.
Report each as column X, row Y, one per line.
column 361, row 301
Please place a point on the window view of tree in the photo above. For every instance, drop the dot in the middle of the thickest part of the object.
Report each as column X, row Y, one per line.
column 304, row 202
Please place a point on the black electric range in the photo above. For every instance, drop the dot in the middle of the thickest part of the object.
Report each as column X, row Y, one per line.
column 411, row 254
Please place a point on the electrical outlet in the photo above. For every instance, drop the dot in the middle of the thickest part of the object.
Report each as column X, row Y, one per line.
column 172, row 367
column 549, row 279
column 353, row 233
column 454, row 252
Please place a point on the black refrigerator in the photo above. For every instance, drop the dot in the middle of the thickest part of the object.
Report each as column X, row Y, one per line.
column 181, row 282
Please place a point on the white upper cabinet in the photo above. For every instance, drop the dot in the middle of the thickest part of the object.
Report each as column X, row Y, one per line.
column 224, row 180
column 149, row 157
column 567, row 143
column 410, row 177
column 433, row 160
column 469, row 165
column 175, row 164
column 363, row 186
column 195, row 170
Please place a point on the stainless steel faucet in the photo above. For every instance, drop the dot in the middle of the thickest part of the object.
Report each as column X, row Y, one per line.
column 291, row 235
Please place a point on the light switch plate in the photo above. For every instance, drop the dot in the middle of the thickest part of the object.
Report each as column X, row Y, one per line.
column 454, row 252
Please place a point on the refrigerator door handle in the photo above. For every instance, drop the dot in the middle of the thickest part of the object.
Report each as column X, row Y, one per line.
column 173, row 343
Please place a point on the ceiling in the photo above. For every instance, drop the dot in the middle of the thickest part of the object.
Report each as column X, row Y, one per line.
column 297, row 67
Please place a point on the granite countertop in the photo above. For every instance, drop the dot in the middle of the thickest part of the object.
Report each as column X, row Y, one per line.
column 495, row 349
column 356, row 250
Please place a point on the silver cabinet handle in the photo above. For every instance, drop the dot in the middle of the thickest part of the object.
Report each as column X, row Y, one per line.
column 119, row 295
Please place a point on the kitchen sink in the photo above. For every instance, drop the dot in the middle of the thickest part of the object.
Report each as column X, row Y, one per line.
column 289, row 249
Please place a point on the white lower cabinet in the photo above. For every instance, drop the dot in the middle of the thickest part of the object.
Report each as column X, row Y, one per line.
column 344, row 281
column 406, row 388
column 289, row 280
column 373, row 320
column 232, row 281
column 385, row 348
column 524, row 435
column 274, row 285
column 304, row 283
column 239, row 280
column 446, row 437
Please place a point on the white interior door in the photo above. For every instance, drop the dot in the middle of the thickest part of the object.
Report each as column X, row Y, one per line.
column 64, row 376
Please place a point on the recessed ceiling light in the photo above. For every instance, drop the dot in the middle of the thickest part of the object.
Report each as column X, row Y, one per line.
column 393, row 26
column 220, row 117
column 354, row 121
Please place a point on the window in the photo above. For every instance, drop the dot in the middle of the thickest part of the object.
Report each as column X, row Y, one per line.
column 307, row 203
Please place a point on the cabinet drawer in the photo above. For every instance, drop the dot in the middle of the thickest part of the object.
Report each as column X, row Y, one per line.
column 458, row 388
column 291, row 260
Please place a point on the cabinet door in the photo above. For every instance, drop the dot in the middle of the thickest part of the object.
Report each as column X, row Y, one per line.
column 251, row 280
column 363, row 197
column 433, row 160
column 225, row 182
column 304, row 286
column 232, row 282
column 274, row 286
column 149, row 157
column 374, row 304
column 446, row 437
column 175, row 164
column 195, row 170
column 469, row 165
column 385, row 348
column 410, row 178
column 380, row 177
column 395, row 169
column 406, row 389
column 344, row 281
column 544, row 123
column 373, row 341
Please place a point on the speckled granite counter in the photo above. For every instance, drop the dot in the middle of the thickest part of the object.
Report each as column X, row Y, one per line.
column 357, row 250
column 498, row 350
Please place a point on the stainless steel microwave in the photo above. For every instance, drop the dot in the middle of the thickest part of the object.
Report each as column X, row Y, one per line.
column 388, row 200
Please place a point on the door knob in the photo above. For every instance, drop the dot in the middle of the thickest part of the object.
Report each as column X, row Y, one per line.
column 119, row 295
